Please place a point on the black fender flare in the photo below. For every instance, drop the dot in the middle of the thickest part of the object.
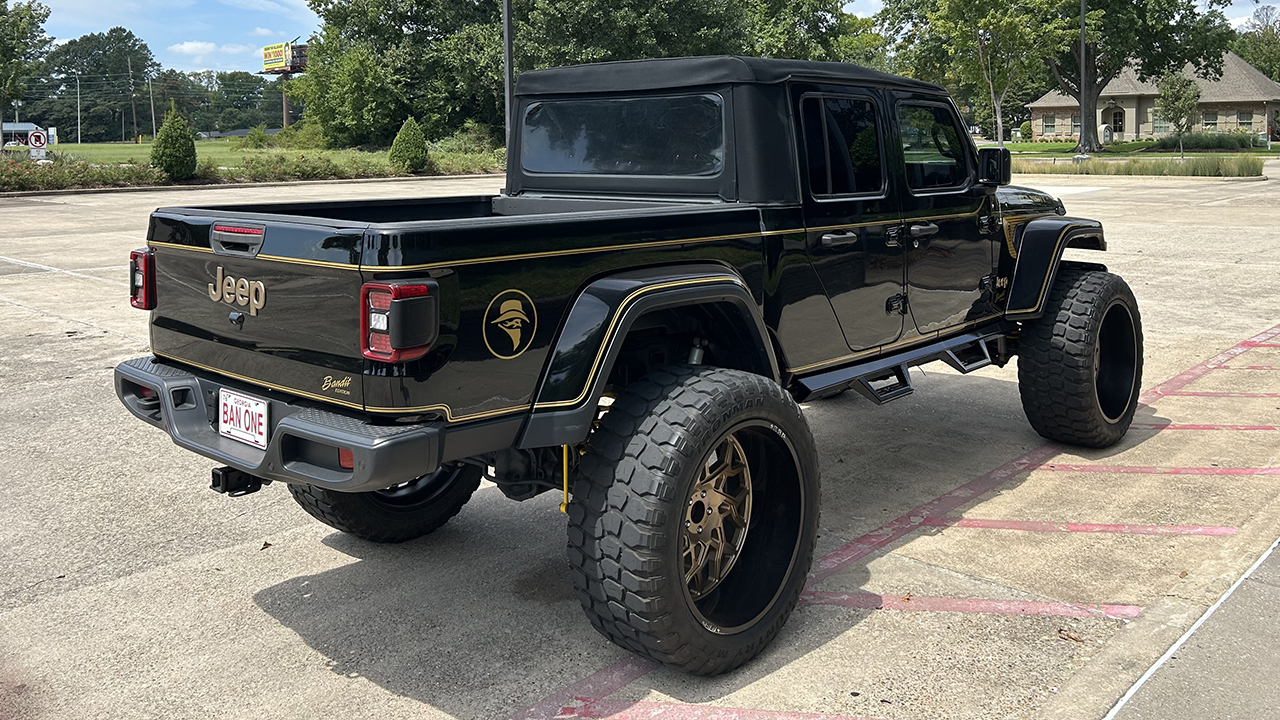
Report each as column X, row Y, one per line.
column 590, row 338
column 1040, row 247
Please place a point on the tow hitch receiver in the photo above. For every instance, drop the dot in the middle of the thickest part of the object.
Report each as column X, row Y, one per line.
column 233, row 482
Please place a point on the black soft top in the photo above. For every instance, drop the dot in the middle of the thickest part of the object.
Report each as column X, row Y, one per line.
column 656, row 74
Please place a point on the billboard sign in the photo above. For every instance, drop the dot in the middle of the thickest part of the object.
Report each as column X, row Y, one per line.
column 277, row 57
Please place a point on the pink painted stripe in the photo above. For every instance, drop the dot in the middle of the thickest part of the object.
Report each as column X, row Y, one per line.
column 1251, row 344
column 1186, row 377
column 1206, row 394
column 1154, row 470
column 1248, row 367
column 1203, row 426
column 873, row 601
column 640, row 710
column 618, row 675
column 1077, row 527
column 600, row 684
column 836, row 560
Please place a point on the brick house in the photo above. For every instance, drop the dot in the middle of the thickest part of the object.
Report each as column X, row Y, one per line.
column 1242, row 99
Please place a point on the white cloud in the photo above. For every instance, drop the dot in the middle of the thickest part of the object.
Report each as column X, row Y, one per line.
column 1240, row 22
column 262, row 32
column 193, row 47
column 237, row 49
column 289, row 8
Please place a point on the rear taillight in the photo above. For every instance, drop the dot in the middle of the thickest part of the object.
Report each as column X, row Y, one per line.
column 398, row 321
column 142, row 279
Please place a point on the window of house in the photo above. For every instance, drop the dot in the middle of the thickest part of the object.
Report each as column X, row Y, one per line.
column 1159, row 126
column 1075, row 124
column 1244, row 119
column 1050, row 125
column 842, row 143
column 1210, row 120
column 932, row 146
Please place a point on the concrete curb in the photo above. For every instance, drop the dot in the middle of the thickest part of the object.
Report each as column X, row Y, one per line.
column 232, row 186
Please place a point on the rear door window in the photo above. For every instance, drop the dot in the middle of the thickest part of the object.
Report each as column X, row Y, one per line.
column 664, row 136
column 843, row 148
column 931, row 146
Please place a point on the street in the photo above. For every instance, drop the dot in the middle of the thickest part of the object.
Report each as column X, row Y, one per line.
column 965, row 569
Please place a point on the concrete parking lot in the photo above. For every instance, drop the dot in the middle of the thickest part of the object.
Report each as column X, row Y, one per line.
column 967, row 568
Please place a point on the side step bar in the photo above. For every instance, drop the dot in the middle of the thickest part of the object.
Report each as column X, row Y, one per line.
column 888, row 378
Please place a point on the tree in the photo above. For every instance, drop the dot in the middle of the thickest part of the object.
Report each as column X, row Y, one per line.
column 1177, row 102
column 998, row 42
column 22, row 43
column 409, row 150
column 1155, row 37
column 174, row 150
column 103, row 62
column 1259, row 43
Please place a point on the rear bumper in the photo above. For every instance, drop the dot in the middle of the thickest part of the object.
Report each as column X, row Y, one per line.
column 304, row 440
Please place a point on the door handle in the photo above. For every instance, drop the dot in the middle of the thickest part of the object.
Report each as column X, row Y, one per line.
column 924, row 229
column 839, row 237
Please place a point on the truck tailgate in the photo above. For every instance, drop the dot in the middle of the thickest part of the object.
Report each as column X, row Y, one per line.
column 284, row 315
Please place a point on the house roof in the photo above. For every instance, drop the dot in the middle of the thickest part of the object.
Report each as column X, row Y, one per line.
column 19, row 127
column 1240, row 82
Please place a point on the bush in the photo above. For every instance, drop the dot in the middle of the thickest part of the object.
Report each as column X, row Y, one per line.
column 1228, row 166
column 1025, row 129
column 409, row 150
column 174, row 151
column 1207, row 141
column 473, row 138
column 24, row 174
column 301, row 135
column 257, row 139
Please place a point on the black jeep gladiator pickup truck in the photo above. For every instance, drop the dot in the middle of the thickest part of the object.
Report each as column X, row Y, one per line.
column 683, row 250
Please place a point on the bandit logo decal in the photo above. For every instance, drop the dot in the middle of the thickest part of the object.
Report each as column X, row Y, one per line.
column 509, row 324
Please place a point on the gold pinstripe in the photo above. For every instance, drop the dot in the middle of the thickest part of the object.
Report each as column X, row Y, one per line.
column 1044, row 286
column 613, row 324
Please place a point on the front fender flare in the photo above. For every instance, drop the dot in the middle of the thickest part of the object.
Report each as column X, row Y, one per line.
column 567, row 400
column 1040, row 249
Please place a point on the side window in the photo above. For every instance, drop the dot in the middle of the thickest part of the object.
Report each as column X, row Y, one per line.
column 931, row 146
column 842, row 142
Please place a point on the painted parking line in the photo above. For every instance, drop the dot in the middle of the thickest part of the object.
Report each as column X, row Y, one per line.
column 1078, row 527
column 1252, row 344
column 1157, row 470
column 916, row 603
column 623, row 710
column 1209, row 394
column 623, row 672
column 1248, row 367
column 1224, row 427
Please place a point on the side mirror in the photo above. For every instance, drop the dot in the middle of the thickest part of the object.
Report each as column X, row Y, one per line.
column 995, row 166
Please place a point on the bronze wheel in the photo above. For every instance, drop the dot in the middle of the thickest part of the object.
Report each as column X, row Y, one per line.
column 694, row 516
column 717, row 518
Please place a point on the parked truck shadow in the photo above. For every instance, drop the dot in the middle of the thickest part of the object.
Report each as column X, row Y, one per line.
column 480, row 620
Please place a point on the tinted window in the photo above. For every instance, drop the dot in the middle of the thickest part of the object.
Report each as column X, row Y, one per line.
column 633, row 136
column 932, row 147
column 842, row 145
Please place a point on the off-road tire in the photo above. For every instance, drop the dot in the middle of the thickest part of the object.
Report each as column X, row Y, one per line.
column 1080, row 364
column 382, row 517
column 628, row 512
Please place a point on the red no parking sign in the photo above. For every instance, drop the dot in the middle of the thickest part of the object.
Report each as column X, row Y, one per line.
column 37, row 140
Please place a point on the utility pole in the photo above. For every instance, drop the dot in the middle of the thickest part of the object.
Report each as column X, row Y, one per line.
column 77, row 107
column 284, row 98
column 1084, row 50
column 121, row 124
column 152, row 94
column 508, row 41
column 133, row 106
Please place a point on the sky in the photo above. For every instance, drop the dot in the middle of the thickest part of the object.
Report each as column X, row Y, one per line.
column 229, row 34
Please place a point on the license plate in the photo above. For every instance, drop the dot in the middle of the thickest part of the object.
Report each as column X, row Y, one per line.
column 242, row 418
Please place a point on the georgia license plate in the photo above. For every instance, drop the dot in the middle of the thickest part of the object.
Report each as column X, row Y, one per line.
column 242, row 418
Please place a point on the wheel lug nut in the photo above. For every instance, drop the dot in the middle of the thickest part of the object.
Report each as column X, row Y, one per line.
column 704, row 493
column 699, row 528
